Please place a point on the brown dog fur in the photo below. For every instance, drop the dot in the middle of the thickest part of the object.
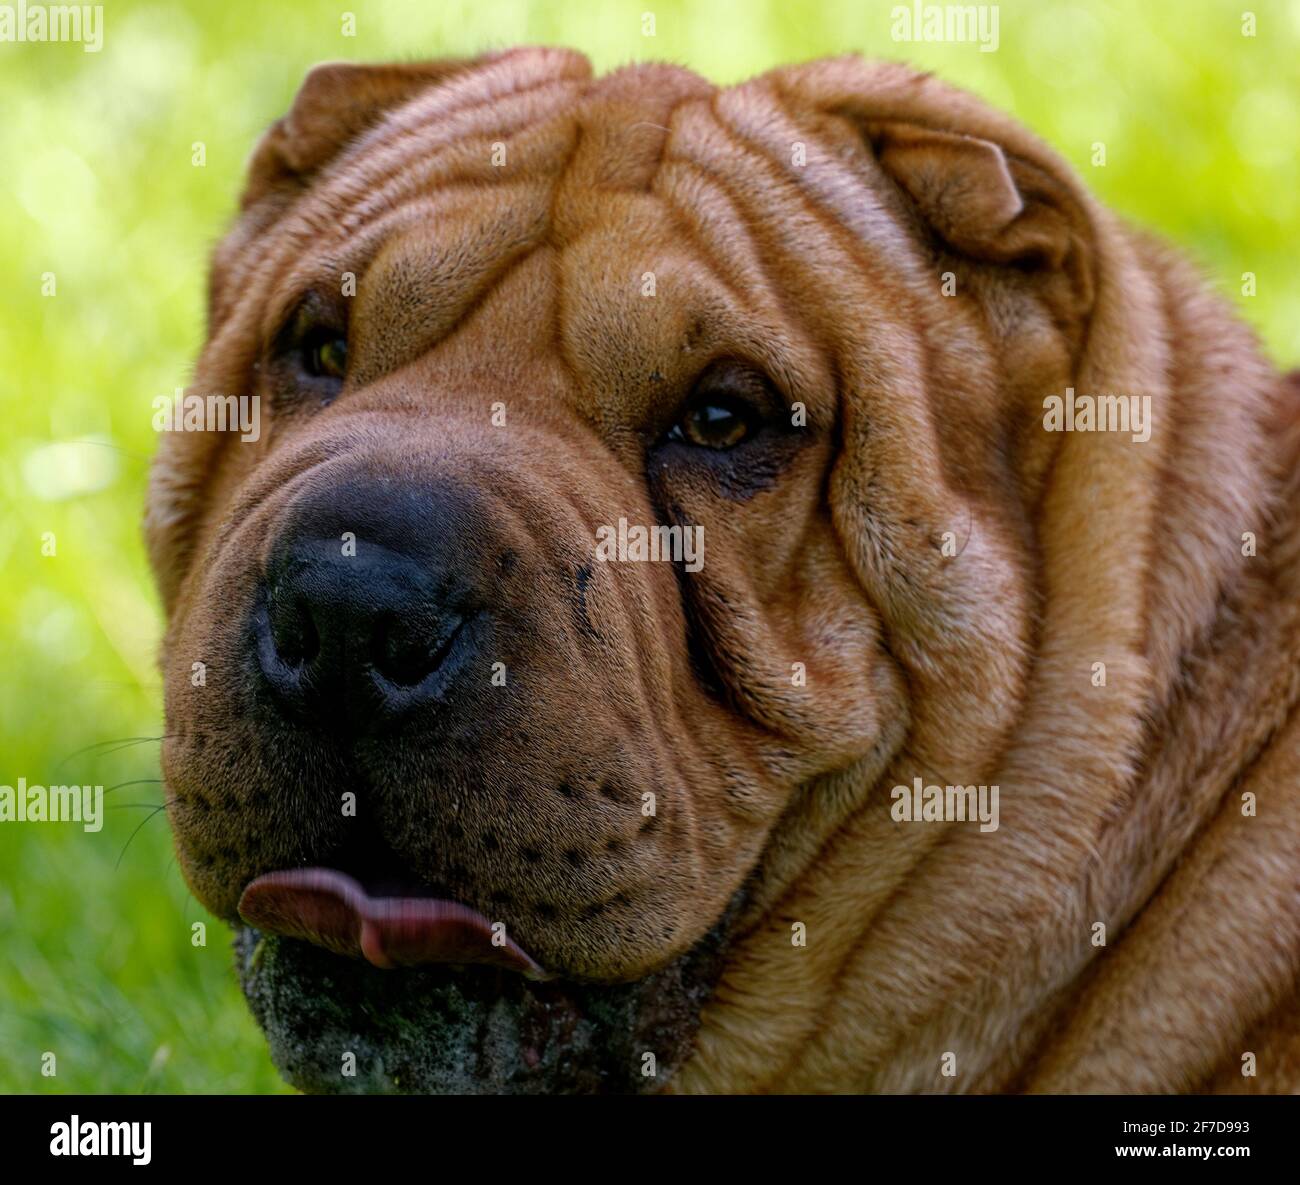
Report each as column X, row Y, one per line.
column 1121, row 804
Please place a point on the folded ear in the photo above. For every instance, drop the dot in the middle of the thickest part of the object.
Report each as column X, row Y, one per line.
column 336, row 103
column 964, row 189
column 983, row 186
column 986, row 204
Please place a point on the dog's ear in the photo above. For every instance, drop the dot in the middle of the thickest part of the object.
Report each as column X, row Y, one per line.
column 975, row 199
column 988, row 204
column 336, row 103
column 983, row 186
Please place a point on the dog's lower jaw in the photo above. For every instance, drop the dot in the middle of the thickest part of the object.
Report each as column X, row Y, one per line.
column 338, row 1026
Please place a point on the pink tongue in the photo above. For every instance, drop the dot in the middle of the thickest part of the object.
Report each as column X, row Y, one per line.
column 332, row 910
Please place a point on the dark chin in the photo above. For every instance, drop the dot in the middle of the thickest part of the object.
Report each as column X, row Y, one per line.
column 471, row 1030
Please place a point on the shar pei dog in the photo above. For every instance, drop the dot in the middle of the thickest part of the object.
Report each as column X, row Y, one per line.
column 732, row 590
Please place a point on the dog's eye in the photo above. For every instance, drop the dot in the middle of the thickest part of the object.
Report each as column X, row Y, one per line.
column 325, row 355
column 718, row 423
column 310, row 353
column 721, row 411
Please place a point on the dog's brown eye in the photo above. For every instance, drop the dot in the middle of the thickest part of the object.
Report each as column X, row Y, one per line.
column 309, row 354
column 722, row 411
column 717, row 424
column 326, row 356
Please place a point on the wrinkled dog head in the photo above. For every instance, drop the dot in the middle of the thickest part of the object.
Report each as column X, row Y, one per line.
column 610, row 436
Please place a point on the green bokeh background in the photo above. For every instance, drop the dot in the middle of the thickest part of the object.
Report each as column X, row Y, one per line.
column 1202, row 132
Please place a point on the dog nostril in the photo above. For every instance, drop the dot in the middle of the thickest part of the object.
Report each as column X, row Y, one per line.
column 293, row 631
column 405, row 654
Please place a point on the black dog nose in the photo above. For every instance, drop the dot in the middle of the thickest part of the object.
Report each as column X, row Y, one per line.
column 330, row 618
column 352, row 627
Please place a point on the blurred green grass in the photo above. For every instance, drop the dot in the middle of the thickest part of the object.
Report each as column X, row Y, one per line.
column 1201, row 127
